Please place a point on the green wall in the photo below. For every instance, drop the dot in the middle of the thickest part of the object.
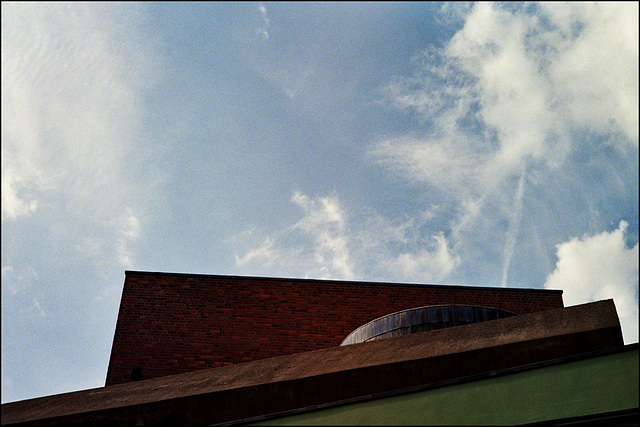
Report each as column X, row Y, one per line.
column 585, row 387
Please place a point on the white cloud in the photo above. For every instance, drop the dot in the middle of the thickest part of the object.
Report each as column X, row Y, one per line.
column 315, row 246
column 524, row 79
column 329, row 243
column 514, row 227
column 263, row 30
column 12, row 205
column 514, row 97
column 441, row 162
column 324, row 220
column 600, row 267
column 264, row 253
column 504, row 99
column 129, row 230
column 18, row 281
column 437, row 263
column 73, row 79
column 36, row 307
column 595, row 73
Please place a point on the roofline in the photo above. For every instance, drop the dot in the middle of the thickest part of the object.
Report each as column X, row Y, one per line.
column 445, row 383
column 309, row 378
column 346, row 282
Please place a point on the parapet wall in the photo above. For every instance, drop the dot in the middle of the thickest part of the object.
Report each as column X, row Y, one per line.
column 173, row 323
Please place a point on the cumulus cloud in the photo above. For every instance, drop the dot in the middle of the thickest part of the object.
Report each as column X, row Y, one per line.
column 600, row 267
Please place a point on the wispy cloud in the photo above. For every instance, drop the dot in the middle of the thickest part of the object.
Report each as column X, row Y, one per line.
column 594, row 65
column 519, row 78
column 514, row 228
column 434, row 263
column 16, row 282
column 328, row 242
column 74, row 199
column 129, row 230
column 37, row 308
column 599, row 267
column 510, row 97
column 12, row 205
column 315, row 246
column 264, row 29
column 73, row 80
column 442, row 162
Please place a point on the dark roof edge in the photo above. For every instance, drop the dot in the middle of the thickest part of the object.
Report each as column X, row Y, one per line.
column 440, row 384
column 309, row 378
column 359, row 282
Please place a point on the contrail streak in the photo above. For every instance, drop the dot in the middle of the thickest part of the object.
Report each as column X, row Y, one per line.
column 514, row 227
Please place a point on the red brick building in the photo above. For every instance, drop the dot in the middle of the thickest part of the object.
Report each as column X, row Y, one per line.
column 172, row 323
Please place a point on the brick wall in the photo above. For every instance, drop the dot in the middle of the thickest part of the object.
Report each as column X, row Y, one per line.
column 174, row 323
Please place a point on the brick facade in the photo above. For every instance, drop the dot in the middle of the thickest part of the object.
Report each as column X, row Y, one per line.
column 173, row 323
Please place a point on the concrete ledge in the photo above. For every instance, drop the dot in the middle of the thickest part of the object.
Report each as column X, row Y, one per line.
column 302, row 380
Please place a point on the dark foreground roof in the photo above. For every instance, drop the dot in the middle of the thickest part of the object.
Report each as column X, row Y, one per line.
column 280, row 385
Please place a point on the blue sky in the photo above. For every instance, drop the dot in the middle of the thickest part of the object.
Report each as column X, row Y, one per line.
column 471, row 144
